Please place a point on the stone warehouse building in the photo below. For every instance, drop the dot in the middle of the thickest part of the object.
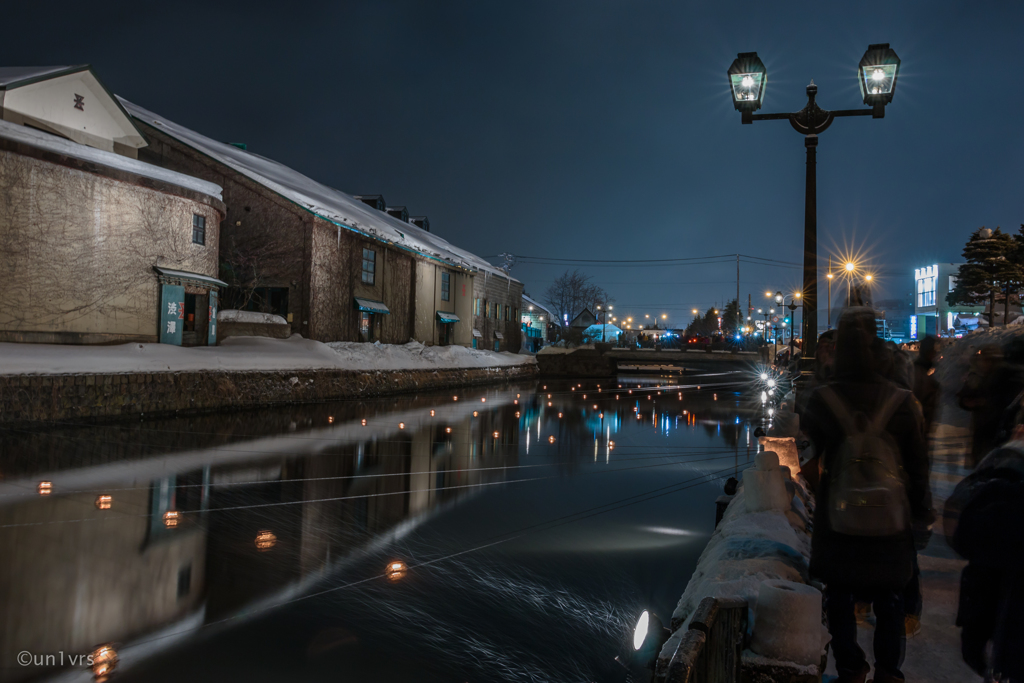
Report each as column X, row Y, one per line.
column 497, row 305
column 95, row 245
column 337, row 267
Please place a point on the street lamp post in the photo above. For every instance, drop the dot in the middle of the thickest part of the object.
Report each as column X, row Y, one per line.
column 829, row 276
column 748, row 77
column 780, row 300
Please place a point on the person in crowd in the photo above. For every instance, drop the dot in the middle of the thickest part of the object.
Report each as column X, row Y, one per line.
column 991, row 386
column 984, row 523
column 858, row 551
column 926, row 391
column 824, row 360
column 926, row 387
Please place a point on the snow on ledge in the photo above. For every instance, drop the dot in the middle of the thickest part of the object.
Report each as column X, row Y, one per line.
column 239, row 354
column 249, row 317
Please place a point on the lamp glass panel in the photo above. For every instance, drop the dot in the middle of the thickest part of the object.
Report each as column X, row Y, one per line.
column 747, row 87
column 878, row 80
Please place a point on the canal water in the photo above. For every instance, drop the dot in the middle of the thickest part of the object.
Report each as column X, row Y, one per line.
column 508, row 533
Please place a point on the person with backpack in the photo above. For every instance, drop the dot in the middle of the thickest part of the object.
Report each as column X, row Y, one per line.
column 872, row 495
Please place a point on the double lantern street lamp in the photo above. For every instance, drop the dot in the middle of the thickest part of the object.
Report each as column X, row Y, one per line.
column 748, row 78
column 780, row 300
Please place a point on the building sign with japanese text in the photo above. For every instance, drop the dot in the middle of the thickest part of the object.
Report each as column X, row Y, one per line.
column 172, row 314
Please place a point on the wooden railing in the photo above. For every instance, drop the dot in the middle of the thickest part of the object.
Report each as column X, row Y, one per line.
column 710, row 650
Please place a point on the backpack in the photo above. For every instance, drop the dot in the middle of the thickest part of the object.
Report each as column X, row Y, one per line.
column 866, row 492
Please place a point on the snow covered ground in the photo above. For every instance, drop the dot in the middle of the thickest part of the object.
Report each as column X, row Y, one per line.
column 245, row 353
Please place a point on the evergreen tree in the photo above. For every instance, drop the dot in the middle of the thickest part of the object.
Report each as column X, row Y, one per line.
column 991, row 267
column 732, row 319
column 703, row 325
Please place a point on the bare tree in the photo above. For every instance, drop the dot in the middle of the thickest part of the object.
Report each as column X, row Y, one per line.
column 573, row 291
column 256, row 259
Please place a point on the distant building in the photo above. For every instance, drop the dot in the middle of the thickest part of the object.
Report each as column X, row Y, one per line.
column 896, row 315
column 335, row 266
column 536, row 320
column 97, row 246
column 584, row 320
column 497, row 301
column 932, row 315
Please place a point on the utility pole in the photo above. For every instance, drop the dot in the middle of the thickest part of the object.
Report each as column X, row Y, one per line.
column 739, row 311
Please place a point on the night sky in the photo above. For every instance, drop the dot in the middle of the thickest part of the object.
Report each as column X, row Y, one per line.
column 593, row 130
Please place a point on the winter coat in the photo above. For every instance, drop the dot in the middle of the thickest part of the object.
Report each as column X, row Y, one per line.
column 867, row 562
column 985, row 524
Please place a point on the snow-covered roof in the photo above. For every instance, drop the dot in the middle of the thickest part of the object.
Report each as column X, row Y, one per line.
column 326, row 202
column 53, row 143
column 536, row 304
column 14, row 76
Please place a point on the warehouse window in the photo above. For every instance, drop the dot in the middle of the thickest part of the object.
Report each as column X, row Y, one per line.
column 198, row 229
column 446, row 286
column 369, row 265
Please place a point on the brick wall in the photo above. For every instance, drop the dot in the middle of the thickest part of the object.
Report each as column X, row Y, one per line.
column 79, row 242
column 319, row 263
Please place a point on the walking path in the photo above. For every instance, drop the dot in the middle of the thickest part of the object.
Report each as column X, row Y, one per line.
column 933, row 655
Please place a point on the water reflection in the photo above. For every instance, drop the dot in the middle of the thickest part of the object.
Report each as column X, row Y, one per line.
column 455, row 533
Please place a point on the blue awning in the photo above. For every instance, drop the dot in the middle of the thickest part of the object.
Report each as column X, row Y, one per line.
column 447, row 317
column 371, row 306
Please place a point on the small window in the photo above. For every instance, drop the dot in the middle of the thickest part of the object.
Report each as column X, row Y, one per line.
column 476, row 308
column 198, row 229
column 508, row 312
column 446, row 286
column 369, row 265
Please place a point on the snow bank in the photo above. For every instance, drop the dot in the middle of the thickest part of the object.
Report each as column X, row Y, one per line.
column 250, row 317
column 416, row 356
column 747, row 549
column 241, row 354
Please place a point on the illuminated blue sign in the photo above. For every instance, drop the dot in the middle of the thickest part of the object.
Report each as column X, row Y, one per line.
column 913, row 327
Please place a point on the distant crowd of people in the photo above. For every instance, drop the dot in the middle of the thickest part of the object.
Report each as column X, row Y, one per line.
column 866, row 414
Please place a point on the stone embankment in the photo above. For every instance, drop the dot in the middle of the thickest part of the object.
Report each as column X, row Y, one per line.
column 28, row 398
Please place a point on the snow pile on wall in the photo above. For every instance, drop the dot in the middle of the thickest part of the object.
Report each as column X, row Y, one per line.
column 241, row 354
column 250, row 317
column 747, row 549
column 416, row 356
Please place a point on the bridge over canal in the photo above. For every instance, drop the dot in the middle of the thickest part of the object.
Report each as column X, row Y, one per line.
column 590, row 362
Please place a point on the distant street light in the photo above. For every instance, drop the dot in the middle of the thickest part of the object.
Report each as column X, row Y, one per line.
column 748, row 78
